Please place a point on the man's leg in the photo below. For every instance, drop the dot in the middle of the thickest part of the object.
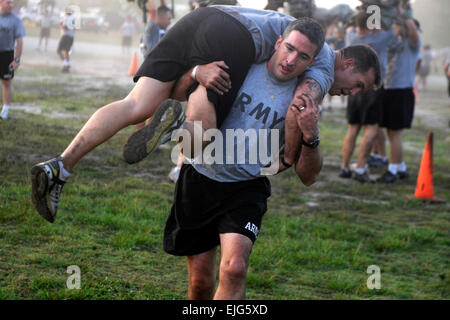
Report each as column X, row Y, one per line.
column 7, row 98
column 349, row 144
column 395, row 139
column 370, row 132
column 48, row 178
column 199, row 108
column 202, row 275
column 7, row 92
column 379, row 145
column 139, row 105
column 378, row 157
column 235, row 253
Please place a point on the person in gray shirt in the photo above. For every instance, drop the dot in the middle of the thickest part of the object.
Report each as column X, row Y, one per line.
column 65, row 44
column 12, row 32
column 159, row 21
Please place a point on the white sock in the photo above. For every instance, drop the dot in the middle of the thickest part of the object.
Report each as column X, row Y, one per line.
column 5, row 107
column 63, row 173
column 360, row 170
column 393, row 168
column 66, row 63
column 402, row 167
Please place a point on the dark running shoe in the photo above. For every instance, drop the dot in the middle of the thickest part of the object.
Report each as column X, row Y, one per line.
column 403, row 175
column 46, row 188
column 168, row 117
column 363, row 178
column 388, row 177
column 377, row 162
column 346, row 173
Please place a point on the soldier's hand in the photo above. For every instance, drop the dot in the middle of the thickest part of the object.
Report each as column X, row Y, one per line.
column 213, row 76
column 307, row 115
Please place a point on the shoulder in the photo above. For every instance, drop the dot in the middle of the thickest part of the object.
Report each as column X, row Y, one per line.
column 16, row 18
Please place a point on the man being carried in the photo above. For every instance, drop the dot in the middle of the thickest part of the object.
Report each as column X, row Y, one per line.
column 149, row 93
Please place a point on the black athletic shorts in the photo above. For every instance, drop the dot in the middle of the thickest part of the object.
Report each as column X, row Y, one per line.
column 200, row 37
column 398, row 109
column 205, row 208
column 364, row 108
column 126, row 41
column 6, row 57
column 65, row 43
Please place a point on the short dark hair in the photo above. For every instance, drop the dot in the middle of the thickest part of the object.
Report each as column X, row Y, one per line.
column 309, row 28
column 361, row 20
column 206, row 3
column 365, row 59
column 163, row 10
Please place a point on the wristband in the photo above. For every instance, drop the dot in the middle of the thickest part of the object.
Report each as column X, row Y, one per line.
column 194, row 73
column 17, row 60
column 287, row 165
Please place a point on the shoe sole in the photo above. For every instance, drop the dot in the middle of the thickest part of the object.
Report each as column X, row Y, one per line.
column 39, row 193
column 144, row 141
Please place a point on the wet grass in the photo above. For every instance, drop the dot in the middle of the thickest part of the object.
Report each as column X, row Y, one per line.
column 315, row 243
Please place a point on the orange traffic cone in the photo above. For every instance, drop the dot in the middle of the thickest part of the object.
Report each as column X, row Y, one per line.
column 424, row 188
column 133, row 65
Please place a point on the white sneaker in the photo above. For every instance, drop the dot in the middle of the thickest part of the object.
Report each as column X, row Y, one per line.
column 4, row 114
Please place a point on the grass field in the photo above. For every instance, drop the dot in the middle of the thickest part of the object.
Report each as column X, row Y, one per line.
column 315, row 243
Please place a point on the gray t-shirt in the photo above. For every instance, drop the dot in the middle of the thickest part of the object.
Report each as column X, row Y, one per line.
column 259, row 112
column 266, row 26
column 402, row 60
column 379, row 42
column 152, row 34
column 128, row 29
column 11, row 29
column 70, row 23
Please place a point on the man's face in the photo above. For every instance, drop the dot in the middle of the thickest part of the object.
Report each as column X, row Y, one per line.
column 293, row 55
column 6, row 6
column 164, row 20
column 348, row 81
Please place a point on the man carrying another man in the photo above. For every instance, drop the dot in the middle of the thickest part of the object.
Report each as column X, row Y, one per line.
column 290, row 59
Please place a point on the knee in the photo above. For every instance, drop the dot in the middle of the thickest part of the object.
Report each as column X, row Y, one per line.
column 234, row 269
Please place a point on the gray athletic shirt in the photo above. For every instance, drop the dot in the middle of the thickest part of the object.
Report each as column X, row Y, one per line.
column 253, row 109
column 11, row 29
column 266, row 26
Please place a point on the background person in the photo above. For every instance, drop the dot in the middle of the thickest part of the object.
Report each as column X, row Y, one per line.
column 46, row 25
column 67, row 27
column 128, row 30
column 12, row 32
column 424, row 67
column 447, row 74
column 364, row 109
column 159, row 20
column 399, row 100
